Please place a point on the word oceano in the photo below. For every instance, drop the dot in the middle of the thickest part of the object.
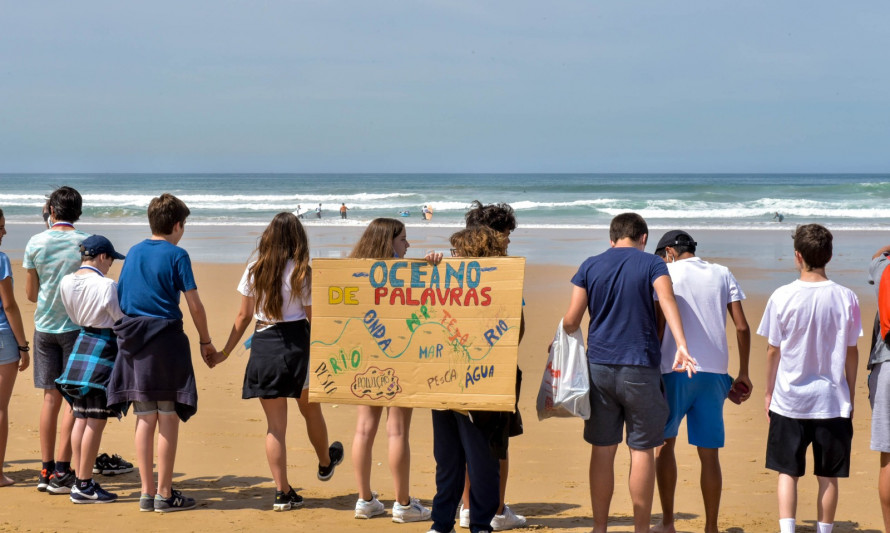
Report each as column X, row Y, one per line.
column 458, row 286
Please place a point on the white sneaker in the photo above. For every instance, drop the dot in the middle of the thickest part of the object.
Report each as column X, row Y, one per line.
column 508, row 520
column 369, row 508
column 464, row 515
column 413, row 512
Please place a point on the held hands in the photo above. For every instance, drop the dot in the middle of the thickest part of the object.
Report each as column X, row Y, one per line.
column 207, row 353
column 683, row 362
column 746, row 381
column 216, row 359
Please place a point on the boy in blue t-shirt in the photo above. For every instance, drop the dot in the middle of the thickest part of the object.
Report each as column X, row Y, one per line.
column 617, row 288
column 154, row 367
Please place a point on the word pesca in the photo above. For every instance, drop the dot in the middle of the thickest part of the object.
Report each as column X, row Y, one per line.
column 478, row 374
column 465, row 277
column 326, row 378
column 448, row 377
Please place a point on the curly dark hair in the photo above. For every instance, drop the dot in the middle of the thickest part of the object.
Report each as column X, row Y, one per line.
column 498, row 217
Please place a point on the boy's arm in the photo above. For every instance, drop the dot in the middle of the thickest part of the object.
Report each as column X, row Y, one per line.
column 572, row 319
column 743, row 338
column 199, row 317
column 773, row 354
column 851, row 367
column 32, row 285
column 665, row 291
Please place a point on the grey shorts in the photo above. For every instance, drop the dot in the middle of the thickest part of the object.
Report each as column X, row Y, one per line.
column 51, row 351
column 164, row 407
column 879, row 398
column 631, row 396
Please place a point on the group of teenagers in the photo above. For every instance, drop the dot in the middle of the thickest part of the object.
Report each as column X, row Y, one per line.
column 104, row 347
column 656, row 348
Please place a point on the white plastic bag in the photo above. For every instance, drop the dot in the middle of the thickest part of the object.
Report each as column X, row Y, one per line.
column 565, row 387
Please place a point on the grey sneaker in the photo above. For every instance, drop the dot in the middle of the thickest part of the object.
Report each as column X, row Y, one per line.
column 365, row 509
column 508, row 520
column 146, row 503
column 413, row 512
column 176, row 502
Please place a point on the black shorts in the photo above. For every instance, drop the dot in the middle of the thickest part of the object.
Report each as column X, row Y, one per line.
column 789, row 438
column 93, row 405
column 278, row 366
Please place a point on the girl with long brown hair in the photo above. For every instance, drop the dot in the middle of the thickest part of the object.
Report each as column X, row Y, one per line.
column 385, row 238
column 275, row 289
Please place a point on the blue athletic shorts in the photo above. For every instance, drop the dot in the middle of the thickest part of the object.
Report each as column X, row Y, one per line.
column 699, row 399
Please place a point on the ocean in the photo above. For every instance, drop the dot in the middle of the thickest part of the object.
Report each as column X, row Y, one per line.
column 563, row 218
column 706, row 201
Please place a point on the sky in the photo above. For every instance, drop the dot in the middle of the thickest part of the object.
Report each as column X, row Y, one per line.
column 444, row 86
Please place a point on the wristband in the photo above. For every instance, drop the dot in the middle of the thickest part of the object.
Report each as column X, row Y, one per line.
column 205, row 343
column 24, row 348
column 224, row 352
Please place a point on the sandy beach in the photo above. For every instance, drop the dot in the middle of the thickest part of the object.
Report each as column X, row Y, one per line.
column 222, row 464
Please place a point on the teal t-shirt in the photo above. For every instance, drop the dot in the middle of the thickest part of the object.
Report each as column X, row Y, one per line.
column 53, row 254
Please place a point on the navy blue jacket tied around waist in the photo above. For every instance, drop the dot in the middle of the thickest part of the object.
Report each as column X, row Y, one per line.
column 154, row 363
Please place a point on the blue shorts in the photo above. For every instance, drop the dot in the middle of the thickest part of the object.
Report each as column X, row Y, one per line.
column 699, row 399
column 9, row 348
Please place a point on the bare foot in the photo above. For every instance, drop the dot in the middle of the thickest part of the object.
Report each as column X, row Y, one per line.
column 663, row 528
column 6, row 481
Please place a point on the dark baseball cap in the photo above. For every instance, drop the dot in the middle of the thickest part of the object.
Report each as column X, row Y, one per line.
column 675, row 237
column 95, row 245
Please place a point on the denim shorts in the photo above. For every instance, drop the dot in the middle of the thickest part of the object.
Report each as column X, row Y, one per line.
column 626, row 396
column 9, row 348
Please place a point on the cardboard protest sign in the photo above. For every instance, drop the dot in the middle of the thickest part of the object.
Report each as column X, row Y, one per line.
column 402, row 332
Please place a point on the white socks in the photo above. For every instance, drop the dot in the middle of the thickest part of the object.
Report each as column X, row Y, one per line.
column 786, row 525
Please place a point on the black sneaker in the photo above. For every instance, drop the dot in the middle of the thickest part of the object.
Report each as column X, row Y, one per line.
column 111, row 466
column 176, row 502
column 285, row 501
column 43, row 480
column 335, row 452
column 61, row 483
column 92, row 494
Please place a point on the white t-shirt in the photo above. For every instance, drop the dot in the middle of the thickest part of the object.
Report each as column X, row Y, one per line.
column 90, row 299
column 291, row 308
column 703, row 291
column 812, row 323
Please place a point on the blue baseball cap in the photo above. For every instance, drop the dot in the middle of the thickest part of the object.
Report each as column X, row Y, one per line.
column 96, row 245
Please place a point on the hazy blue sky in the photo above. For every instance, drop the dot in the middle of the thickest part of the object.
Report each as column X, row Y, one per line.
column 453, row 86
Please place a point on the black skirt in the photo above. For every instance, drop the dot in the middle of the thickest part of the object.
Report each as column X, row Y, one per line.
column 279, row 361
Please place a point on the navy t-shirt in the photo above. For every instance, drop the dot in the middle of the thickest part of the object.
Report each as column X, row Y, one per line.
column 154, row 274
column 620, row 302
